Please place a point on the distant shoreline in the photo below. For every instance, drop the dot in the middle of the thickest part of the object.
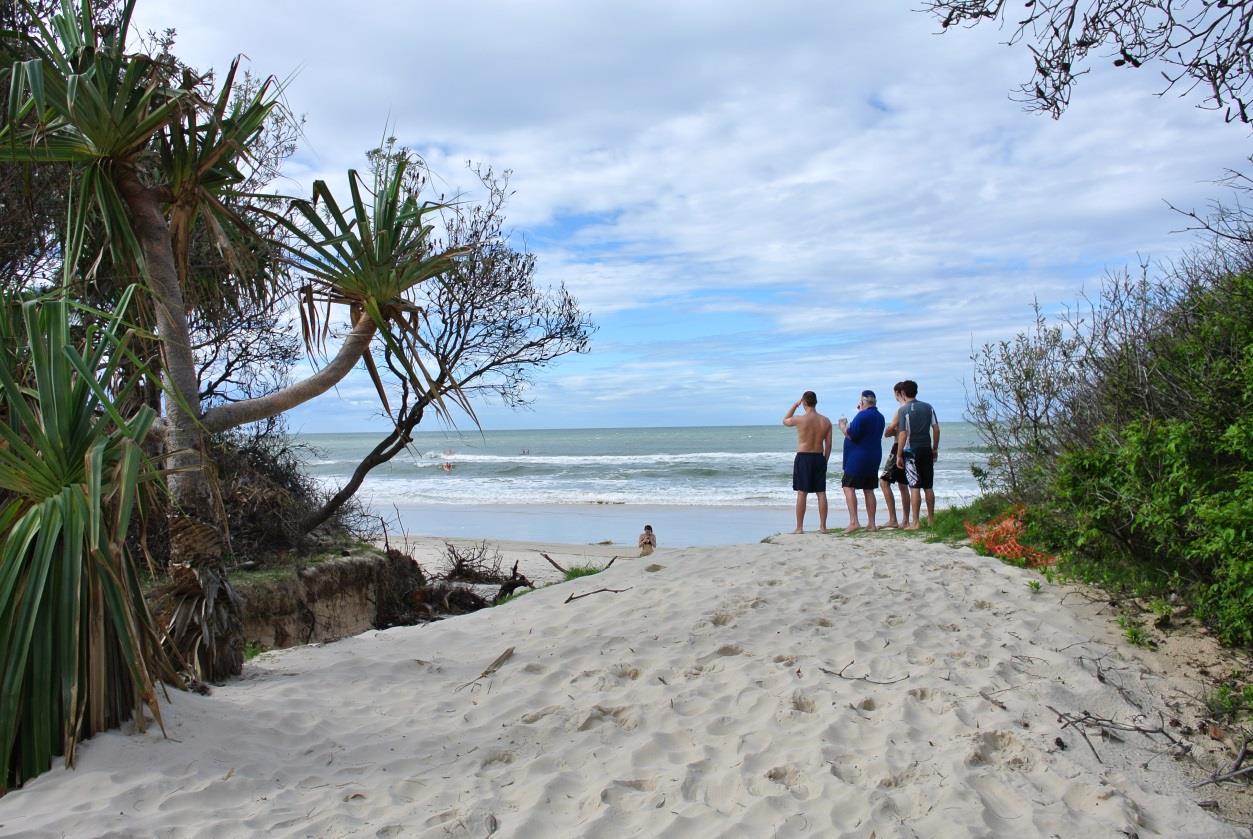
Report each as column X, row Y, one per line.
column 591, row 523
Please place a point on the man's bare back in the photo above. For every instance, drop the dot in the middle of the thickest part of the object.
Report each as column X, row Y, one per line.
column 813, row 433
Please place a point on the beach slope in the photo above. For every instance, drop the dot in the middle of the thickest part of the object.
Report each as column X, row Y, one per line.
column 814, row 686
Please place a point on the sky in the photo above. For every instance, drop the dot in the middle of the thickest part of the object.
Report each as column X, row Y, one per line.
column 749, row 200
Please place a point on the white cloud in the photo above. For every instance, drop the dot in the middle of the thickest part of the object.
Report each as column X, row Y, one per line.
column 833, row 171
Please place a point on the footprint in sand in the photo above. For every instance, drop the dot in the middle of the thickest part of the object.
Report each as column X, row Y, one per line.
column 621, row 716
column 894, row 780
column 497, row 759
column 846, row 770
column 627, row 792
column 803, row 703
column 1000, row 749
column 536, row 716
column 790, row 778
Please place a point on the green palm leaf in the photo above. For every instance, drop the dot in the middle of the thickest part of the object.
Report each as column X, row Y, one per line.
column 79, row 649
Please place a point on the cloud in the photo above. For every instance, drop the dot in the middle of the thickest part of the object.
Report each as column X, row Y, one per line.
column 748, row 199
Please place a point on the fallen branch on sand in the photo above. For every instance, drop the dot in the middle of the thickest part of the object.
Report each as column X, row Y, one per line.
column 865, row 678
column 597, row 591
column 1235, row 770
column 1112, row 729
column 512, row 583
column 555, row 564
column 491, row 668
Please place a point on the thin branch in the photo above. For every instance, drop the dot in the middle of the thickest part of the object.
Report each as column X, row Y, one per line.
column 865, row 678
column 597, row 591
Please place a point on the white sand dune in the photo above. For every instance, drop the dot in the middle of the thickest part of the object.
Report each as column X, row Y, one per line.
column 702, row 701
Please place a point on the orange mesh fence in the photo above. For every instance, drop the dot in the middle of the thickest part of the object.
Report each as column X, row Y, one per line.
column 999, row 537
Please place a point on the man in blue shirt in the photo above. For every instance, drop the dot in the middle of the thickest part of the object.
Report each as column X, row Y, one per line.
column 863, row 446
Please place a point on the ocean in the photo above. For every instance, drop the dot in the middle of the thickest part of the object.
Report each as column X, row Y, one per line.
column 708, row 485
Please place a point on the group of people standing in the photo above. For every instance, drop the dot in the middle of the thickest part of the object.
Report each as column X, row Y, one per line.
column 909, row 468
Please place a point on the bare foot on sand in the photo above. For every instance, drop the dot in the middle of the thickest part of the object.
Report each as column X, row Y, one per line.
column 872, row 528
column 891, row 525
column 852, row 528
column 797, row 531
column 913, row 526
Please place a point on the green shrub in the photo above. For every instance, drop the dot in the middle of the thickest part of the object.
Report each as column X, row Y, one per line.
column 576, row 571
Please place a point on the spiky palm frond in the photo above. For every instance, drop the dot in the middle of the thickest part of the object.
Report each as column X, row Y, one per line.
column 78, row 649
column 85, row 100
column 371, row 255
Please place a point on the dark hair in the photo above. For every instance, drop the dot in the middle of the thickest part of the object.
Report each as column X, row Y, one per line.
column 898, row 387
column 648, row 527
column 809, row 398
column 909, row 388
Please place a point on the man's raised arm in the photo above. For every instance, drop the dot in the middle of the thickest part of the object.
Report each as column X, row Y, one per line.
column 789, row 419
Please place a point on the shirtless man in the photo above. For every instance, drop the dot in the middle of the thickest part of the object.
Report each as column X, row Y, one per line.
column 813, row 448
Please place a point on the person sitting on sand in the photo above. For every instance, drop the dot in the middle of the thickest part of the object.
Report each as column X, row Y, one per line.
column 648, row 540
column 863, row 445
column 813, row 449
column 892, row 477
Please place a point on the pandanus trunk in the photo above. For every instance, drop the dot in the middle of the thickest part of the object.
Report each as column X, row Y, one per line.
column 205, row 628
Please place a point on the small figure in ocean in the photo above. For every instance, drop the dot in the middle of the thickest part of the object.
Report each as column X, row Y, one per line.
column 892, row 477
column 813, row 449
column 863, row 445
column 918, row 448
column 648, row 540
column 447, row 467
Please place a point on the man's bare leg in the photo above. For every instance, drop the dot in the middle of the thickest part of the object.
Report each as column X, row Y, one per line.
column 915, row 506
column 850, row 500
column 800, row 512
column 822, row 512
column 889, row 500
column 871, row 509
column 930, row 507
column 904, row 505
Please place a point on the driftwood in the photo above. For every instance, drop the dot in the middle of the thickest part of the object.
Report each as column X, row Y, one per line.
column 1237, row 769
column 865, row 678
column 1114, row 730
column 553, row 562
column 491, row 668
column 597, row 591
column 512, row 583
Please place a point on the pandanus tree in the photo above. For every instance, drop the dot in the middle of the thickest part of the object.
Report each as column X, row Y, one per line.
column 78, row 649
column 156, row 157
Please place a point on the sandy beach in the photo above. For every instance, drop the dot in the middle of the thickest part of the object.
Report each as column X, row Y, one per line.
column 810, row 686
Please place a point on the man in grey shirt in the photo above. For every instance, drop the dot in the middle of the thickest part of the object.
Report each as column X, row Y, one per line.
column 917, row 449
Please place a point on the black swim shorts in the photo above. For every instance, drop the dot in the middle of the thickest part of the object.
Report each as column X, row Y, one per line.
column 859, row 481
column 809, row 472
column 920, row 468
column 892, row 473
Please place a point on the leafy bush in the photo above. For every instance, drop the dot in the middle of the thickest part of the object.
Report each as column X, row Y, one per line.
column 1137, row 468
